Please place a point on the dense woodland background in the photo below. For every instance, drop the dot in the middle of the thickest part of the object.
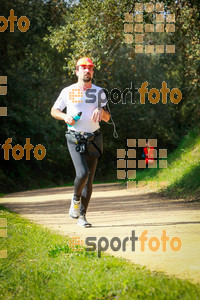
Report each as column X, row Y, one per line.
column 41, row 61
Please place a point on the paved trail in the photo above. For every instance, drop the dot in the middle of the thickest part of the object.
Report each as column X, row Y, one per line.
column 116, row 212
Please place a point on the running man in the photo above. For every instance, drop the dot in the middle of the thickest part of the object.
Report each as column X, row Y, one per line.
column 84, row 138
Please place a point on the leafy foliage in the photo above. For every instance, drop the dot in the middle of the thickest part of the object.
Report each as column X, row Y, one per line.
column 40, row 62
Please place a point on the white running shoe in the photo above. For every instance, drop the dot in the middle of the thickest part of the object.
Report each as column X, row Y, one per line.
column 83, row 222
column 74, row 210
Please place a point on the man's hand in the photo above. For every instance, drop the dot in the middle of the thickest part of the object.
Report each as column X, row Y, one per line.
column 96, row 116
column 59, row 115
column 69, row 120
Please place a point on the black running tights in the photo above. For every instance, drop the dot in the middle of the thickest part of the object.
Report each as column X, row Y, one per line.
column 85, row 167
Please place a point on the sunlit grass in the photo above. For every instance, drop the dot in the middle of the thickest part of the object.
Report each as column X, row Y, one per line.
column 41, row 265
column 183, row 169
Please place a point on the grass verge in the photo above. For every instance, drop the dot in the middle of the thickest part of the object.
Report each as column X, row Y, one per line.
column 40, row 265
column 183, row 169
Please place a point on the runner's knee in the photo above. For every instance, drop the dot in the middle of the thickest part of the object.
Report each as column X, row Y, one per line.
column 83, row 175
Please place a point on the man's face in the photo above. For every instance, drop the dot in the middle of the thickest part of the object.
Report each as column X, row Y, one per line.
column 85, row 73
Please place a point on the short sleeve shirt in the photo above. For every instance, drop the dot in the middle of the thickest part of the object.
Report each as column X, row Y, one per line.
column 86, row 102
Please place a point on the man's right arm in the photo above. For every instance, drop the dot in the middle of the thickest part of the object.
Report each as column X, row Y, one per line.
column 59, row 115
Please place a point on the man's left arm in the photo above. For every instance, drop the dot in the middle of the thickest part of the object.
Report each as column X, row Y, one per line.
column 105, row 115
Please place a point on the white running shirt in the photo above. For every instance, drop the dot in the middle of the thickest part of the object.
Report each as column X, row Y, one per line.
column 75, row 101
